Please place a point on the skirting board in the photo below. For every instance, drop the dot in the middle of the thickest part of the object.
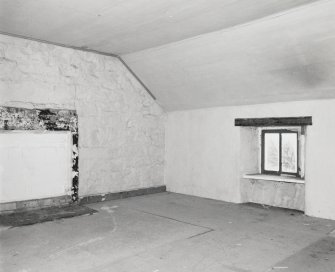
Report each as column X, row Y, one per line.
column 65, row 200
column 120, row 195
column 35, row 203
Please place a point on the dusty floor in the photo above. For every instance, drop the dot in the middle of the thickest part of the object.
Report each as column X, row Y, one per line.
column 170, row 232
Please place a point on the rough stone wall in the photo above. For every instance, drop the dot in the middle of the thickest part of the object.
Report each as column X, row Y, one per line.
column 274, row 193
column 121, row 128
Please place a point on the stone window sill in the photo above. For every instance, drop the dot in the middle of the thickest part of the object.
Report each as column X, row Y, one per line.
column 275, row 178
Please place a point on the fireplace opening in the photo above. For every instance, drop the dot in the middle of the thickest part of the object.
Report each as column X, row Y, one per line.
column 50, row 138
column 35, row 165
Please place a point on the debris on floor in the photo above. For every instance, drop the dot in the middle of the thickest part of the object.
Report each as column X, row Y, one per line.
column 31, row 217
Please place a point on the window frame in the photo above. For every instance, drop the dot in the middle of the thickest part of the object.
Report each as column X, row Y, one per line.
column 280, row 172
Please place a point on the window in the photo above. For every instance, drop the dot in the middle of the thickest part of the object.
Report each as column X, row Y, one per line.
column 280, row 152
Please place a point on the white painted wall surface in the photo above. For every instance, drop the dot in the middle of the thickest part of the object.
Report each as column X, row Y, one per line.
column 121, row 128
column 34, row 165
column 203, row 150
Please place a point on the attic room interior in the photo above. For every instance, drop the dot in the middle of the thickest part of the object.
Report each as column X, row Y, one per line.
column 167, row 135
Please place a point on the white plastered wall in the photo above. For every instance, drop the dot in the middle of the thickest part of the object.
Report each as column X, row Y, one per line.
column 203, row 151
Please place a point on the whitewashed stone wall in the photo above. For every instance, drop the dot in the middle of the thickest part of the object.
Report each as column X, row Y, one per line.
column 121, row 128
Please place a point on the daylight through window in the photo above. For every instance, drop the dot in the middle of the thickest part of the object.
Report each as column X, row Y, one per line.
column 280, row 152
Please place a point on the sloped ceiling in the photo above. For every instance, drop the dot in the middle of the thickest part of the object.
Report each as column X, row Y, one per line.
column 282, row 58
column 197, row 53
column 123, row 26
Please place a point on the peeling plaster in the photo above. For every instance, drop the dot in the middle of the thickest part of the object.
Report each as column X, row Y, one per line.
column 46, row 119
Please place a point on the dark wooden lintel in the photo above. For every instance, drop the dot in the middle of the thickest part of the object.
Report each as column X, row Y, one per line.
column 274, row 121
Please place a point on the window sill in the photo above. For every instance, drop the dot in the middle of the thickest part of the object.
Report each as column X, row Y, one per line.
column 275, row 178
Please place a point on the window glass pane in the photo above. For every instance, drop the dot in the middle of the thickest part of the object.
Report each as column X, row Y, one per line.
column 289, row 152
column 271, row 152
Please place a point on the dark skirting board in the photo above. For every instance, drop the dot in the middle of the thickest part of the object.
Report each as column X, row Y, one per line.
column 120, row 195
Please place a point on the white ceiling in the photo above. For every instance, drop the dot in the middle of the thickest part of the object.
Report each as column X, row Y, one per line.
column 198, row 53
column 123, row 26
column 284, row 58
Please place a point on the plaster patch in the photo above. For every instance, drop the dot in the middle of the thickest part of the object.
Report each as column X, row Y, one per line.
column 12, row 118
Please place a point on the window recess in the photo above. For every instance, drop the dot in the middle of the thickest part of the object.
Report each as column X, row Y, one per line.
column 281, row 145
